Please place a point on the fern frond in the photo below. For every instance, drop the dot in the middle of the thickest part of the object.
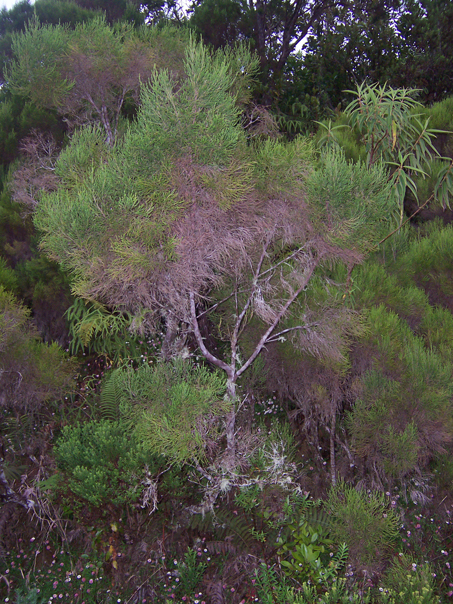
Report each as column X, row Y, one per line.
column 221, row 547
column 13, row 471
column 340, row 558
column 215, row 590
column 240, row 526
column 316, row 516
column 202, row 523
column 111, row 397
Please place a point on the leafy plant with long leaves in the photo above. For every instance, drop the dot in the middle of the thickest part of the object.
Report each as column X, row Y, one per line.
column 94, row 329
column 391, row 125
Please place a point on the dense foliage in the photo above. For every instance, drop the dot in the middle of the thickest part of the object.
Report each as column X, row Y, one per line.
column 259, row 403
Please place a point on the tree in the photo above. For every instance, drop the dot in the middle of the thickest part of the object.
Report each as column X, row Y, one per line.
column 52, row 12
column 182, row 208
column 18, row 114
column 89, row 73
column 426, row 29
column 386, row 122
column 275, row 28
column 162, row 11
column 351, row 43
column 115, row 10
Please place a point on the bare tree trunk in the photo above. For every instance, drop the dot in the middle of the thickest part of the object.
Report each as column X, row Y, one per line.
column 333, row 470
column 233, row 373
column 230, row 422
column 107, row 127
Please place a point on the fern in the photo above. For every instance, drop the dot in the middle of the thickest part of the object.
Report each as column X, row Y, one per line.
column 202, row 523
column 94, row 329
column 240, row 526
column 230, row 532
column 221, row 547
column 338, row 560
column 317, row 516
column 111, row 396
column 270, row 588
column 215, row 590
column 13, row 471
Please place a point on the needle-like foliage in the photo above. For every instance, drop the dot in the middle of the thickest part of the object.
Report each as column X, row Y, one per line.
column 183, row 207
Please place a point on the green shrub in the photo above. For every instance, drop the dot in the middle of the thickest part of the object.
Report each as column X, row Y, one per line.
column 402, row 414
column 103, row 462
column 429, row 260
column 348, row 198
column 440, row 114
column 175, row 407
column 436, row 329
column 8, row 279
column 307, row 556
column 31, row 372
column 31, row 596
column 97, row 331
column 373, row 286
column 363, row 520
column 407, row 582
column 273, row 590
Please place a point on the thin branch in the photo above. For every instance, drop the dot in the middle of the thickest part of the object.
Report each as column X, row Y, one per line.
column 208, row 355
column 278, row 318
column 284, row 261
column 214, row 306
column 240, row 317
column 278, row 335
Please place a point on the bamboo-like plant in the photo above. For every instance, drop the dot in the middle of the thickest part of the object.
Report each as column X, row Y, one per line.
column 394, row 130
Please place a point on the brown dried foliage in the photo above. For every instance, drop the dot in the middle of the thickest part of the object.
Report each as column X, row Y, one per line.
column 36, row 172
column 212, row 244
column 102, row 81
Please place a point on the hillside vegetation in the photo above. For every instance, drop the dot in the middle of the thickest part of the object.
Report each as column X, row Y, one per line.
column 226, row 338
